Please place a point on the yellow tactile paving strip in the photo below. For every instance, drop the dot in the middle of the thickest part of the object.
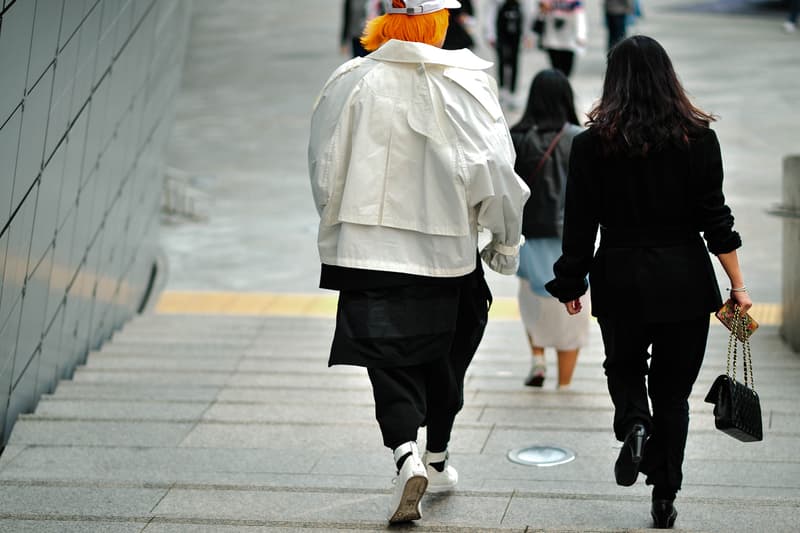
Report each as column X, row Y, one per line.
column 324, row 305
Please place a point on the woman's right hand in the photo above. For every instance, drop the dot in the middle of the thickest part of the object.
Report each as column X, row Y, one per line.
column 574, row 307
column 742, row 299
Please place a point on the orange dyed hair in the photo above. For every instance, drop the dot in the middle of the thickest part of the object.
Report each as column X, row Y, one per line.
column 428, row 29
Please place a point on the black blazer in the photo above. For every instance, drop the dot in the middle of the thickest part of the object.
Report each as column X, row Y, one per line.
column 651, row 264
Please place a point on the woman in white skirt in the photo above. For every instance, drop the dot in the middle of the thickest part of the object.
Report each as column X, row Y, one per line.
column 545, row 322
column 542, row 139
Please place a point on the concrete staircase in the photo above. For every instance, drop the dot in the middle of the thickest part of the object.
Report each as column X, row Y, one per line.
column 235, row 424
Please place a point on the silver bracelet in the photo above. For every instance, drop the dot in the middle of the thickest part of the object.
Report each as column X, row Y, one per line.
column 739, row 289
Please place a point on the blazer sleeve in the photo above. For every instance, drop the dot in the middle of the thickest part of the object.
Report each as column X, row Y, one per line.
column 581, row 221
column 714, row 216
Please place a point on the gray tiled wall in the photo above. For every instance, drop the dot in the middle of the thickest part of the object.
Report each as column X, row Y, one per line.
column 86, row 88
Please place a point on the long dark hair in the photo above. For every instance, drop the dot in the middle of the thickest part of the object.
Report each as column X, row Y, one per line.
column 550, row 103
column 644, row 105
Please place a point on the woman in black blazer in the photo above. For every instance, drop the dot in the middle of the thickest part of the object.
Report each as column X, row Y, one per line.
column 648, row 173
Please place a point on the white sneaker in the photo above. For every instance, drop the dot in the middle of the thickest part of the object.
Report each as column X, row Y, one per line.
column 409, row 485
column 443, row 481
column 789, row 26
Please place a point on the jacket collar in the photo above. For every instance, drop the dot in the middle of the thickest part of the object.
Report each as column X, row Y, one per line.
column 412, row 52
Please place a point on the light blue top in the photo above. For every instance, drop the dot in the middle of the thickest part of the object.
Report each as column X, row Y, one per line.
column 536, row 259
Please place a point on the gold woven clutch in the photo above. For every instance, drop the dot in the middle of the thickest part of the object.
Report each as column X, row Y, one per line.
column 727, row 314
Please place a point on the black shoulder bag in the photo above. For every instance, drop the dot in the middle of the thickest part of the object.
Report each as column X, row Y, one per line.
column 737, row 410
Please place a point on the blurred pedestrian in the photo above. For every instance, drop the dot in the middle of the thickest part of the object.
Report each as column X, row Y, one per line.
column 638, row 13
column 617, row 14
column 542, row 139
column 790, row 24
column 356, row 14
column 648, row 173
column 564, row 32
column 409, row 154
column 460, row 27
column 507, row 28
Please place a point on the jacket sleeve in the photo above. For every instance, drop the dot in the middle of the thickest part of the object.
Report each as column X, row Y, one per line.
column 328, row 143
column 500, row 210
column 322, row 155
column 580, row 227
column 494, row 191
column 715, row 217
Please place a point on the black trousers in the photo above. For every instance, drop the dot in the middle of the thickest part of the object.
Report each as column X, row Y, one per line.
column 431, row 394
column 562, row 60
column 508, row 63
column 676, row 355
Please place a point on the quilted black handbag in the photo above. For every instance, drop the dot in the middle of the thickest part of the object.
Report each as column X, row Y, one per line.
column 737, row 410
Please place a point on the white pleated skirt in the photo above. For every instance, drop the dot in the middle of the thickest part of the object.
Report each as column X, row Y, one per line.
column 548, row 323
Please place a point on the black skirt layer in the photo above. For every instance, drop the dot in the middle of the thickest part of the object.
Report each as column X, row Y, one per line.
column 400, row 321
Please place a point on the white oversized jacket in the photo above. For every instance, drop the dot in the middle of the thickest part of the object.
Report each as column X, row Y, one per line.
column 409, row 157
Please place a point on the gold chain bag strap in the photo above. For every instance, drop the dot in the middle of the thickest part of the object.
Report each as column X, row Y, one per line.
column 737, row 409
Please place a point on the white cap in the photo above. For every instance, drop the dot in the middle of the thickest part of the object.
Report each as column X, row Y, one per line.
column 420, row 7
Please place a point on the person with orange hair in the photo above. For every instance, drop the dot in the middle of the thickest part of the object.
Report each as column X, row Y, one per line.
column 409, row 158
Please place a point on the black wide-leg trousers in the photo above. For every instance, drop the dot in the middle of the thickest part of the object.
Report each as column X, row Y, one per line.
column 675, row 357
column 432, row 393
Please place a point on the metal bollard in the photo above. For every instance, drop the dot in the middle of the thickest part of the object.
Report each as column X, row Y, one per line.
column 789, row 210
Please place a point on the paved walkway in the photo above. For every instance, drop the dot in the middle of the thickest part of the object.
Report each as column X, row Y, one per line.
column 234, row 424
column 323, row 305
column 216, row 412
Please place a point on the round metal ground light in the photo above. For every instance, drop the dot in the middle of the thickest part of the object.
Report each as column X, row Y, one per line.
column 541, row 455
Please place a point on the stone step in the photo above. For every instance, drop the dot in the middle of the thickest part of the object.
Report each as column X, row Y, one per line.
column 357, row 509
column 368, row 472
column 777, row 396
column 483, row 365
column 469, row 437
column 279, row 395
column 314, row 412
